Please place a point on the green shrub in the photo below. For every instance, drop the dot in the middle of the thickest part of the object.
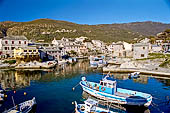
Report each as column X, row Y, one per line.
column 10, row 61
column 165, row 63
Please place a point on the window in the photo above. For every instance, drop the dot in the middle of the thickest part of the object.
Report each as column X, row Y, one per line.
column 25, row 42
column 6, row 48
column 30, row 50
column 34, row 50
column 12, row 42
column 25, row 50
column 101, row 83
column 6, row 42
column 143, row 47
column 142, row 55
column 12, row 48
column 19, row 42
column 105, row 84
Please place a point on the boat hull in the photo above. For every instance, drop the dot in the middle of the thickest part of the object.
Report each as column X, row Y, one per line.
column 117, row 99
column 25, row 107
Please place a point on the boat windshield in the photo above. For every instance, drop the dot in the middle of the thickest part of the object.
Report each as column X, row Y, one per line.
column 96, row 60
column 108, row 83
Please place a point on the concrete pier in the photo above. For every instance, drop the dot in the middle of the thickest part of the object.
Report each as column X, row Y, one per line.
column 128, row 70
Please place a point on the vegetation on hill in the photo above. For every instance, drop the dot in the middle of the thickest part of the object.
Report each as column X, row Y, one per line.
column 47, row 30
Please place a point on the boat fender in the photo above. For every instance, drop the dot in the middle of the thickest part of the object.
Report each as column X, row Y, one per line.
column 98, row 88
column 103, row 88
column 90, row 86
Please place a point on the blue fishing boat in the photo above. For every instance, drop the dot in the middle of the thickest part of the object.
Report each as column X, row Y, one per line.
column 24, row 107
column 90, row 106
column 107, row 90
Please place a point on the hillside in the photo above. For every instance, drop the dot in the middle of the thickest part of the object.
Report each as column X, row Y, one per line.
column 47, row 29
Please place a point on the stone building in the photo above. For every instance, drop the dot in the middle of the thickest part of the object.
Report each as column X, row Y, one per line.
column 116, row 49
column 50, row 53
column 9, row 43
column 140, row 50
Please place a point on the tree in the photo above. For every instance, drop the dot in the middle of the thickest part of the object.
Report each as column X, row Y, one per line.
column 152, row 39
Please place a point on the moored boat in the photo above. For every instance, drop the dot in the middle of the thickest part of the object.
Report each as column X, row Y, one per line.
column 24, row 107
column 2, row 95
column 96, row 61
column 90, row 106
column 107, row 90
column 134, row 75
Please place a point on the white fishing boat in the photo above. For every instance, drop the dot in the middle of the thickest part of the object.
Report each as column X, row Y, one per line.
column 48, row 64
column 2, row 95
column 96, row 61
column 107, row 90
column 134, row 75
column 90, row 106
column 24, row 107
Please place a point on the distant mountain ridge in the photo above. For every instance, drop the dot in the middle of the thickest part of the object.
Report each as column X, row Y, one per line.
column 47, row 29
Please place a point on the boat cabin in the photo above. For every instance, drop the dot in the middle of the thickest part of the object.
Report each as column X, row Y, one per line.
column 108, row 86
column 90, row 105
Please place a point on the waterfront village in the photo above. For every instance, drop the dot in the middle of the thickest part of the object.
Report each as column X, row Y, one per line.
column 145, row 56
column 20, row 53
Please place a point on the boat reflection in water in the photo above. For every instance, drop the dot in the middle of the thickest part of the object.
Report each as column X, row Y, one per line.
column 116, row 107
column 124, row 76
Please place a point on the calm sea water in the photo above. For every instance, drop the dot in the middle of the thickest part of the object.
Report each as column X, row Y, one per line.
column 53, row 88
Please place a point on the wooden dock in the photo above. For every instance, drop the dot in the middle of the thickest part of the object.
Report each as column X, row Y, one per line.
column 127, row 70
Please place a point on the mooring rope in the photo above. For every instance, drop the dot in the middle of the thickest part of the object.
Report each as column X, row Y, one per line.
column 156, row 107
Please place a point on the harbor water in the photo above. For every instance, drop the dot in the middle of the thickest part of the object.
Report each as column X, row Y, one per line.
column 53, row 88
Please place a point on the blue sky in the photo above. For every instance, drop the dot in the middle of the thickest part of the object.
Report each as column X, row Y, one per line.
column 86, row 11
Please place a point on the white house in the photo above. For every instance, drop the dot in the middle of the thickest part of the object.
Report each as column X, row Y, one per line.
column 88, row 45
column 156, row 48
column 159, row 42
column 116, row 49
column 81, row 39
column 145, row 40
column 140, row 50
column 98, row 43
column 127, row 46
column 80, row 49
column 63, row 42
column 9, row 43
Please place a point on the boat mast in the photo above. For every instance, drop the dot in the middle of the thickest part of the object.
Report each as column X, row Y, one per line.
column 13, row 101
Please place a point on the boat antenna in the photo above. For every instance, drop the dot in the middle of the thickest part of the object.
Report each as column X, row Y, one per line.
column 106, row 75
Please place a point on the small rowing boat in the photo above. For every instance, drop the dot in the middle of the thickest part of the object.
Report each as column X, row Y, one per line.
column 90, row 106
column 24, row 107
